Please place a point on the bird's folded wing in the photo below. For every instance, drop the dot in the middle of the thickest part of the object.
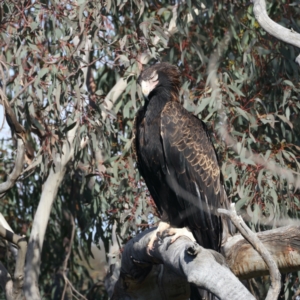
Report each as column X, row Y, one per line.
column 192, row 172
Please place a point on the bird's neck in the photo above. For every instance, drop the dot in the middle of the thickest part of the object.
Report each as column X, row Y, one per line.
column 155, row 105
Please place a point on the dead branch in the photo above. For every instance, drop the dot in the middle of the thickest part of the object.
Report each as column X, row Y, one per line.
column 250, row 236
column 283, row 243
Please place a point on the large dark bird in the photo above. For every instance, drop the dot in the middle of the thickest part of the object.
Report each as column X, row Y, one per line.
column 177, row 159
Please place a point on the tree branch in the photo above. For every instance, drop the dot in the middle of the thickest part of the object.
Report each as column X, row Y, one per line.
column 223, row 133
column 55, row 177
column 12, row 248
column 21, row 243
column 183, row 262
column 14, row 175
column 283, row 243
column 288, row 36
column 69, row 217
column 250, row 236
column 142, row 59
column 143, row 277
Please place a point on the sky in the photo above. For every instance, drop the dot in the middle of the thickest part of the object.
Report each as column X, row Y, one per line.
column 5, row 130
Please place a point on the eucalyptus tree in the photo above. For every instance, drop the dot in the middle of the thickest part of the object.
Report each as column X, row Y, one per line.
column 68, row 72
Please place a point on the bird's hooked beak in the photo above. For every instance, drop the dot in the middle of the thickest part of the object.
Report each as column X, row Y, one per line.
column 149, row 84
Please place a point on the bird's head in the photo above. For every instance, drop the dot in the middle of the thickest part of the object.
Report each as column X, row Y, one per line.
column 163, row 77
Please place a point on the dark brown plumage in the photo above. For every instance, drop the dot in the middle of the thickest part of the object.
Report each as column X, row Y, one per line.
column 177, row 159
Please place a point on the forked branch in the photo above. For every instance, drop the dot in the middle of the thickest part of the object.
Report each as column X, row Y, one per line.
column 14, row 175
column 286, row 35
column 171, row 268
column 251, row 237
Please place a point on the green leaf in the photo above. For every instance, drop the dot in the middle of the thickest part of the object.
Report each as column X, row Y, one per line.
column 204, row 102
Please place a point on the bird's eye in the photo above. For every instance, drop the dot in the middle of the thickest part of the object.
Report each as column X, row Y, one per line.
column 153, row 77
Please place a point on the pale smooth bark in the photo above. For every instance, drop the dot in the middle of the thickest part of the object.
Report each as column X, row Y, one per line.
column 17, row 286
column 12, row 248
column 166, row 274
column 286, row 35
column 14, row 175
column 35, row 245
column 168, row 271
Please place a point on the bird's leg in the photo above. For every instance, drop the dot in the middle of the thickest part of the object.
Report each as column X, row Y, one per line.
column 162, row 226
column 177, row 233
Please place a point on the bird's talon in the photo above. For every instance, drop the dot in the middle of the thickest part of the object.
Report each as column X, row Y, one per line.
column 194, row 250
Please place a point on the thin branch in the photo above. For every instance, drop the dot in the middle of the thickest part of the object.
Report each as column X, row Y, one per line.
column 288, row 36
column 251, row 237
column 65, row 263
column 22, row 90
column 223, row 133
column 142, row 59
column 14, row 175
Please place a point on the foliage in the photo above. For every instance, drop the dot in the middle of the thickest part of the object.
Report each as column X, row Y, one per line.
column 61, row 57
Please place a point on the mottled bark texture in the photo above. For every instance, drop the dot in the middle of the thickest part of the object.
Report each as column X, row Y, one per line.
column 166, row 274
column 283, row 244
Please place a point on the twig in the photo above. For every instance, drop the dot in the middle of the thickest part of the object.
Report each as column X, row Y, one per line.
column 143, row 58
column 22, row 90
column 74, row 290
column 65, row 263
column 223, row 133
column 14, row 175
column 250, row 236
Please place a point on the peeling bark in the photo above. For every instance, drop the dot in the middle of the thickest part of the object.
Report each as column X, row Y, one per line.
column 283, row 244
